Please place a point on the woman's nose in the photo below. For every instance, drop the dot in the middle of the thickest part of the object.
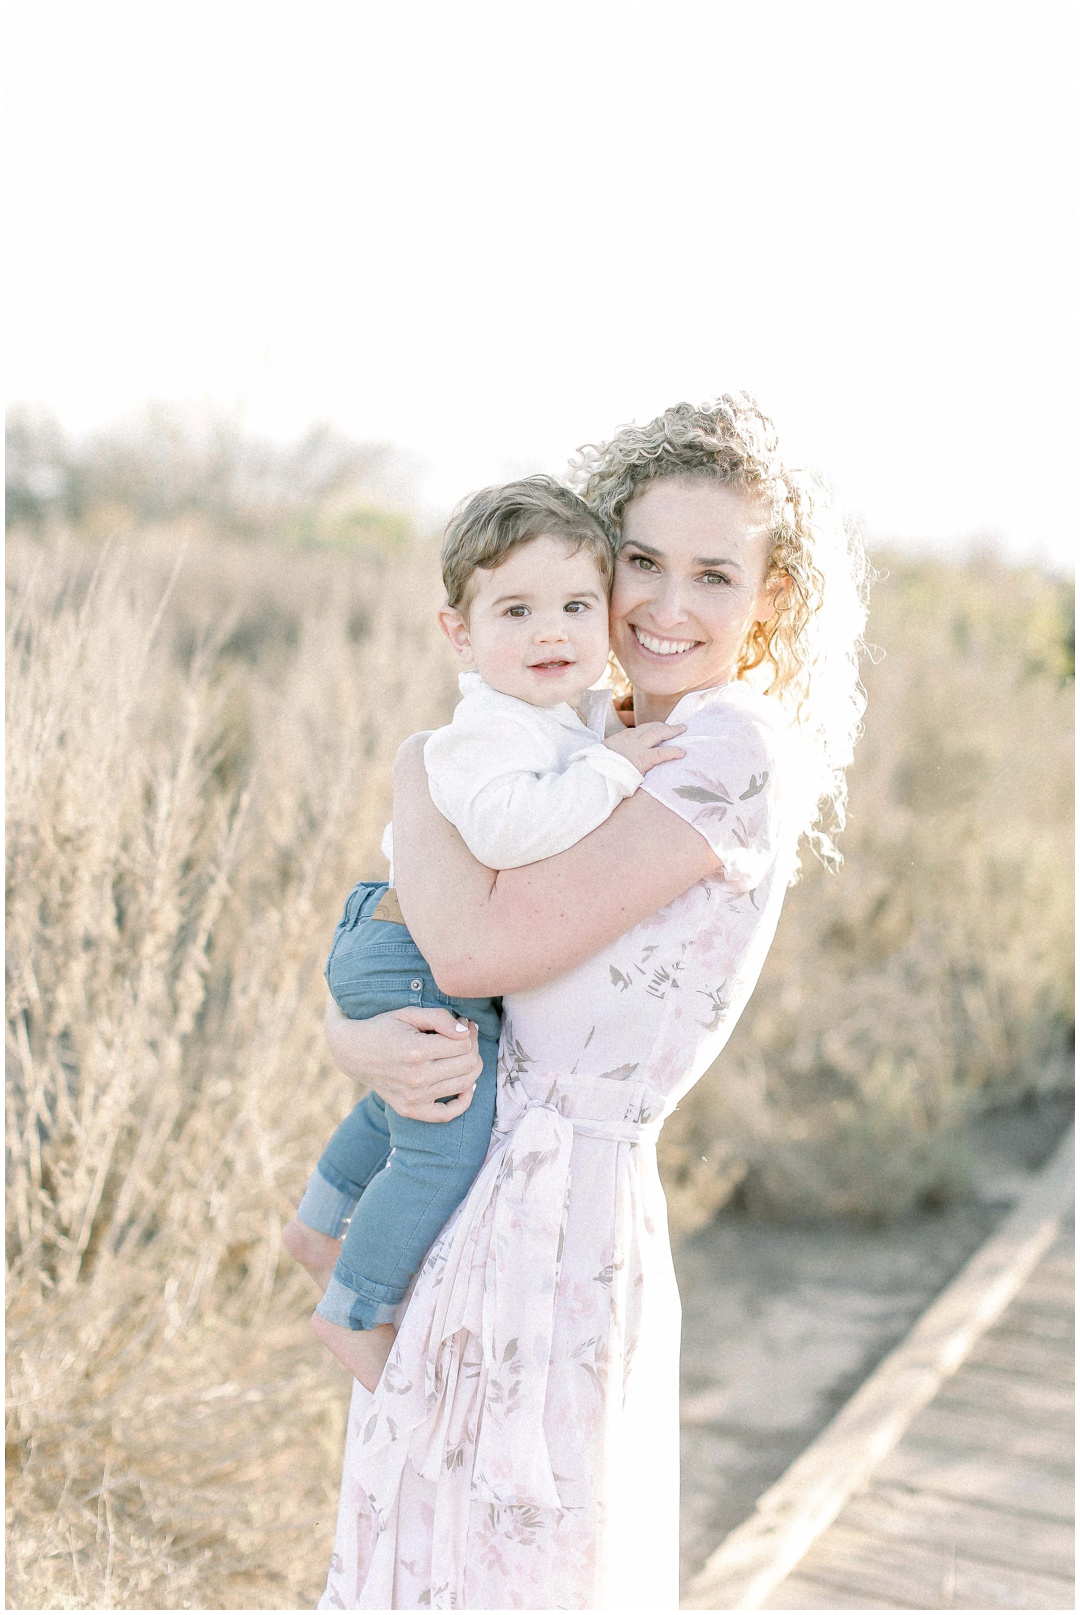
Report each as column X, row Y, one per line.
column 667, row 606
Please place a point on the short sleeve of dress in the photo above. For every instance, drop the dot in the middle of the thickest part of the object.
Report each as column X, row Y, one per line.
column 728, row 784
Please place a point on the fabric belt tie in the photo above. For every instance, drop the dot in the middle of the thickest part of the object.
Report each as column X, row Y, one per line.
column 466, row 1383
column 617, row 1132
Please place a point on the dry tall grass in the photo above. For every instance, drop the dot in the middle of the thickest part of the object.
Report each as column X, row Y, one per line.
column 198, row 770
column 192, row 786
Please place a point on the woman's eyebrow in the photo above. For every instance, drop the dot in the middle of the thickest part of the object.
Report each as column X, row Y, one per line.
column 699, row 560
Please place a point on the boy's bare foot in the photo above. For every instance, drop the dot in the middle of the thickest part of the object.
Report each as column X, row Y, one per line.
column 314, row 1251
column 363, row 1351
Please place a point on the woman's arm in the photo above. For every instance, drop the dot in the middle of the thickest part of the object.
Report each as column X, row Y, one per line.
column 411, row 1058
column 484, row 932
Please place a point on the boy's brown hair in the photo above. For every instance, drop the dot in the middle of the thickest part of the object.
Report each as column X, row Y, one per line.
column 491, row 524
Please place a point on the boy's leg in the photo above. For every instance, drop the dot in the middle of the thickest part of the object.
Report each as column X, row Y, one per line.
column 356, row 1152
column 358, row 1148
column 429, row 1172
column 360, row 1145
column 375, row 966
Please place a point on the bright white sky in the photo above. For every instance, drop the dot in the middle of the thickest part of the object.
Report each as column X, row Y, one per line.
column 491, row 232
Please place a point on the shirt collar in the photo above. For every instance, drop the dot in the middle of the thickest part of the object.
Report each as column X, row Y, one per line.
column 693, row 701
column 471, row 683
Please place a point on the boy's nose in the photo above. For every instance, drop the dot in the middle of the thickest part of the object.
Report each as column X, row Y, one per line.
column 549, row 632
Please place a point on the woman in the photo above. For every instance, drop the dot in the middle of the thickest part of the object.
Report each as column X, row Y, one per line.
column 521, row 1449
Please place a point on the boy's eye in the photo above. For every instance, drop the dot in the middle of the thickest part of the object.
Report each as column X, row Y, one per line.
column 576, row 605
column 517, row 611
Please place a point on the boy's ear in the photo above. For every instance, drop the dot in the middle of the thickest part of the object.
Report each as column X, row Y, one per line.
column 456, row 629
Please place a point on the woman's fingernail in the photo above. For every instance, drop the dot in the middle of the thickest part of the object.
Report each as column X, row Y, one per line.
column 461, row 1026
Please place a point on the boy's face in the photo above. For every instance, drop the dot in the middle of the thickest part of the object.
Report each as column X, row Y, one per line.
column 537, row 626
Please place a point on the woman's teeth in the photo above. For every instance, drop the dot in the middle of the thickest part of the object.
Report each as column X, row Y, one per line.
column 663, row 647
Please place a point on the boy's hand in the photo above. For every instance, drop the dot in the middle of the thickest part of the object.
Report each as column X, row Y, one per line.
column 648, row 744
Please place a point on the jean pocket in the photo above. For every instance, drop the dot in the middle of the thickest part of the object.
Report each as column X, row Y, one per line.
column 361, row 997
column 390, row 974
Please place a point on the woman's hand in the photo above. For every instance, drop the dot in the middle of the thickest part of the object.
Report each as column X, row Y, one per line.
column 411, row 1058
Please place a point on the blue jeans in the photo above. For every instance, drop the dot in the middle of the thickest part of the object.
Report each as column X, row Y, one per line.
column 392, row 1180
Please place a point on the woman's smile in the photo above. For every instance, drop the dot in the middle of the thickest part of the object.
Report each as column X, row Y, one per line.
column 656, row 646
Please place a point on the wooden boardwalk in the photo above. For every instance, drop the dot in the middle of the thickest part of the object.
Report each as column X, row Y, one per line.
column 974, row 1508
column 946, row 1481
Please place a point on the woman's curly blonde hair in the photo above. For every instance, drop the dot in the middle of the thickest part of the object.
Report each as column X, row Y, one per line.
column 807, row 655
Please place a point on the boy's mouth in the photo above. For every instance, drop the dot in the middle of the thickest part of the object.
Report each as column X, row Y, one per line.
column 555, row 665
column 655, row 645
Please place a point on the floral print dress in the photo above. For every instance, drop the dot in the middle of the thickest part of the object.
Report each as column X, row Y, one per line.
column 521, row 1450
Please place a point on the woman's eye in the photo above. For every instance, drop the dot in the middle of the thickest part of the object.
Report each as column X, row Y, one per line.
column 643, row 563
column 714, row 577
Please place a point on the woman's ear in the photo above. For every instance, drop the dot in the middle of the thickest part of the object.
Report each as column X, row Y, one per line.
column 774, row 596
column 456, row 629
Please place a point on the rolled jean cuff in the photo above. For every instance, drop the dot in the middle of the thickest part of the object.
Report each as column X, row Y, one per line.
column 324, row 1207
column 346, row 1307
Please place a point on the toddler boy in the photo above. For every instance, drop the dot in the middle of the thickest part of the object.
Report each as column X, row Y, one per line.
column 524, row 770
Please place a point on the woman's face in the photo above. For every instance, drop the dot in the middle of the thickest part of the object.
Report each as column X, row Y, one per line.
column 689, row 584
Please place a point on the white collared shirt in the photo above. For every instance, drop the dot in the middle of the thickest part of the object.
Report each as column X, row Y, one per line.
column 521, row 783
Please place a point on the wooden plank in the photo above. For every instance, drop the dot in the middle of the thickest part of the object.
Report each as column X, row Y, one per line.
column 1058, row 1260
column 928, row 1577
column 1041, row 1359
column 973, row 1430
column 804, row 1592
column 1039, row 1322
column 1008, row 1482
column 992, row 1535
column 990, row 1387
column 1050, row 1291
column 1056, row 1266
column 755, row 1557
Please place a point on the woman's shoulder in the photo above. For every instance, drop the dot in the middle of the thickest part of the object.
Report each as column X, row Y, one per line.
column 728, row 784
column 735, row 712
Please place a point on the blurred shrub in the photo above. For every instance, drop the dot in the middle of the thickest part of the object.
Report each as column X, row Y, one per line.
column 198, row 770
column 170, row 462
